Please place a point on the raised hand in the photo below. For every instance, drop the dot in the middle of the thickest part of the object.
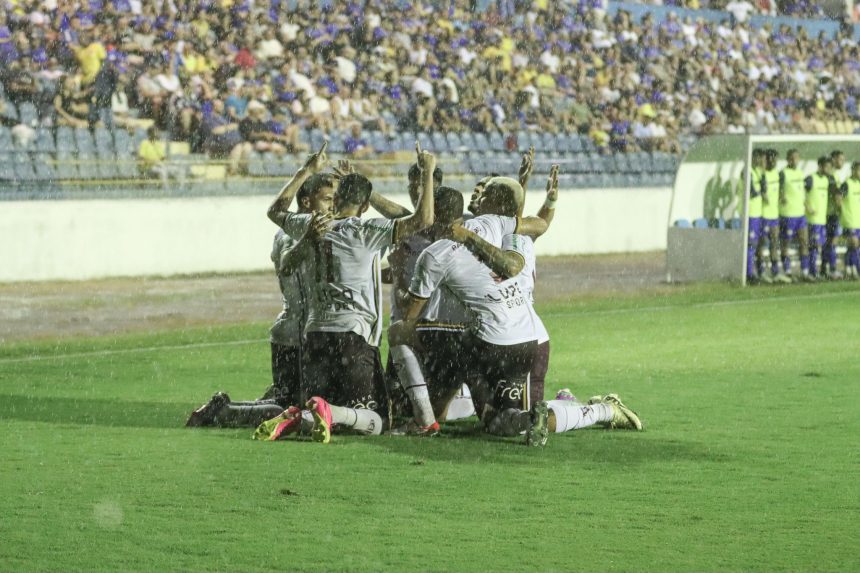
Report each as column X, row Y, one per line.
column 344, row 168
column 527, row 165
column 317, row 162
column 552, row 184
column 426, row 160
column 318, row 226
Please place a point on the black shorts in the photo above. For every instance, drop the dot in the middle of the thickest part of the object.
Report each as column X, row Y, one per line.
column 832, row 226
column 503, row 371
column 442, row 355
column 345, row 370
column 286, row 385
column 537, row 376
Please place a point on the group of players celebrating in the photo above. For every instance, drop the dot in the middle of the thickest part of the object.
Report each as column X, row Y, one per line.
column 786, row 205
column 462, row 314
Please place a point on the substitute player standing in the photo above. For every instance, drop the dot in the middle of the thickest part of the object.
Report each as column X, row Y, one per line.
column 341, row 363
column 770, row 214
column 850, row 219
column 755, row 264
column 828, row 253
column 820, row 186
column 792, row 214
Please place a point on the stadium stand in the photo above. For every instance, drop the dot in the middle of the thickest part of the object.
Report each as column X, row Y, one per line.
column 614, row 90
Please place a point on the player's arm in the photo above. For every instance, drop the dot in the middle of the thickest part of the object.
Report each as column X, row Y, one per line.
column 836, row 192
column 547, row 210
column 764, row 190
column 807, row 186
column 526, row 167
column 388, row 208
column 292, row 258
column 423, row 215
column 281, row 205
column 534, row 227
column 504, row 263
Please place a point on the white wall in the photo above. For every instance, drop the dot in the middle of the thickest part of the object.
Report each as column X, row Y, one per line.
column 48, row 240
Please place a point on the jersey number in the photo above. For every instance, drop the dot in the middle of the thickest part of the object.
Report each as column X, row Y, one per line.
column 325, row 271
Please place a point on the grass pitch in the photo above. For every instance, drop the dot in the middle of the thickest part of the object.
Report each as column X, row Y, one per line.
column 750, row 459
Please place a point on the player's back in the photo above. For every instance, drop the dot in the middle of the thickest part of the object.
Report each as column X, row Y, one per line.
column 525, row 246
column 290, row 322
column 344, row 276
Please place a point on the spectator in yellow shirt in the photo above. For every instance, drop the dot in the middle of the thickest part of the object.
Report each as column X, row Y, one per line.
column 90, row 56
column 150, row 156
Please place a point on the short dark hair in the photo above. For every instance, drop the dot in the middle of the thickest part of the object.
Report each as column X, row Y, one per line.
column 771, row 153
column 448, row 204
column 836, row 153
column 824, row 160
column 757, row 152
column 354, row 189
column 791, row 151
column 313, row 184
column 855, row 165
column 415, row 173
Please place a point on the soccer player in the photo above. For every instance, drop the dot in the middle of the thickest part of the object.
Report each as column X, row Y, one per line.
column 819, row 188
column 503, row 344
column 850, row 219
column 755, row 265
column 828, row 253
column 770, row 214
column 341, row 364
column 315, row 195
column 792, row 214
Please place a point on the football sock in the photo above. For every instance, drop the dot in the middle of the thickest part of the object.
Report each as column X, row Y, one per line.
column 830, row 256
column 813, row 259
column 804, row 264
column 774, row 266
column 460, row 406
column 854, row 259
column 759, row 263
column 571, row 415
column 751, row 263
column 509, row 422
column 786, row 264
column 359, row 420
column 412, row 379
column 247, row 414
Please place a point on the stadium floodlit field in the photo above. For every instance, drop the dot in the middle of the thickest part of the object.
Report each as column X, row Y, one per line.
column 749, row 461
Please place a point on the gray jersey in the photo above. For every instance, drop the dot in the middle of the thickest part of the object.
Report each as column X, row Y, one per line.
column 344, row 277
column 402, row 262
column 502, row 309
column 290, row 323
column 525, row 246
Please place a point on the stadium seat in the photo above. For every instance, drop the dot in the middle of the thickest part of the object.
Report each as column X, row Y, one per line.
column 123, row 144
column 483, row 143
column 66, row 167
column 104, row 140
column 23, row 168
column 316, row 137
column 336, row 142
column 256, row 165
column 735, row 224
column 440, row 143
column 405, row 141
column 88, row 167
column 84, row 140
column 683, row 223
column 497, row 142
column 453, row 139
column 28, row 114
column 126, row 167
column 44, row 168
column 45, row 141
column 107, row 167
column 700, row 223
column 717, row 223
column 66, row 140
column 6, row 140
column 426, row 142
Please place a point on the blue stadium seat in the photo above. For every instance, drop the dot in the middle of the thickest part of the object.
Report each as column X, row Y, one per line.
column 28, row 114
column 23, row 168
column 467, row 140
column 735, row 224
column 717, row 224
column 424, row 139
column 700, row 223
column 405, row 141
column 126, row 167
column 88, row 167
column 483, row 143
column 104, row 140
column 316, row 137
column 84, row 140
column 66, row 167
column 5, row 140
column 497, row 142
column 683, row 223
column 439, row 142
column 124, row 145
column 256, row 165
column 45, row 142
column 107, row 167
column 44, row 168
column 336, row 142
column 66, row 140
column 454, row 142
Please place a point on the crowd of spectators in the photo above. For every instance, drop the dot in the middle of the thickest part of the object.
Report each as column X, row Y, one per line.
column 234, row 76
column 742, row 9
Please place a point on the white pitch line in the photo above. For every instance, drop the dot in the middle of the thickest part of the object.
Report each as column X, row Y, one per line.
column 712, row 304
column 38, row 357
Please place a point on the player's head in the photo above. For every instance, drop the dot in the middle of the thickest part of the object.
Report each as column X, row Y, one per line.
column 825, row 165
column 770, row 158
column 838, row 159
column 855, row 170
column 758, row 157
column 415, row 182
column 317, row 193
column 476, row 192
column 501, row 196
column 353, row 192
column 793, row 158
column 448, row 205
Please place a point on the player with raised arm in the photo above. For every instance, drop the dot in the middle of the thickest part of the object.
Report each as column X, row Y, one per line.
column 342, row 366
column 850, row 219
column 315, row 195
column 828, row 252
column 770, row 214
column 792, row 214
column 819, row 188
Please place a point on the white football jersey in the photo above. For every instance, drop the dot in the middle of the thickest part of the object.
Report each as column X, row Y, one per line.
column 290, row 322
column 343, row 280
column 525, row 246
column 402, row 263
column 502, row 309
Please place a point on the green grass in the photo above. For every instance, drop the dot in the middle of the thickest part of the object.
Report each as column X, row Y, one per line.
column 749, row 462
